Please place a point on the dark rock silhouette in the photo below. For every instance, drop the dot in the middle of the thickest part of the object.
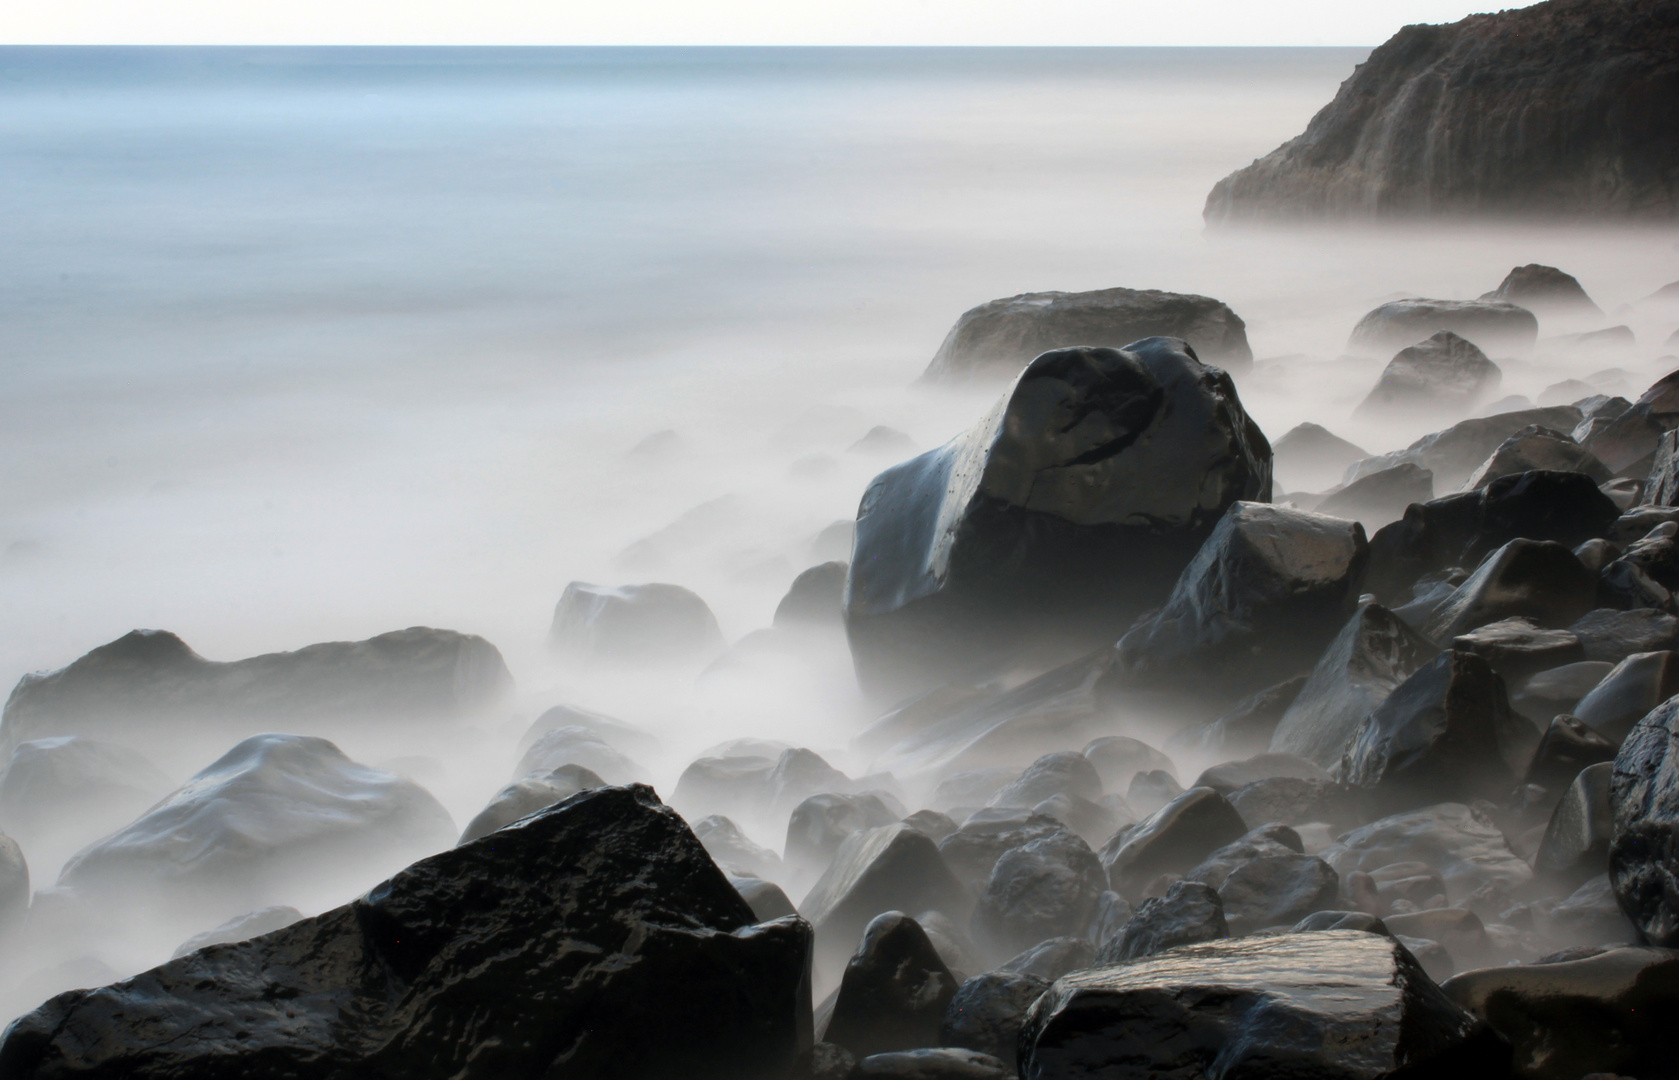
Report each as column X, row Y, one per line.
column 1562, row 109
column 999, row 338
column 986, row 1012
column 894, row 991
column 575, row 940
column 1036, row 529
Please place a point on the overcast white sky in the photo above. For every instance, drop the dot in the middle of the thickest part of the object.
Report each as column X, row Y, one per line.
column 720, row 22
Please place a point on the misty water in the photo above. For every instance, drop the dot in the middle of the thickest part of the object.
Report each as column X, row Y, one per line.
column 308, row 345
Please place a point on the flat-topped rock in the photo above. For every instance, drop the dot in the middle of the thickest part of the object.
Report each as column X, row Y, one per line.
column 999, row 338
column 1480, row 324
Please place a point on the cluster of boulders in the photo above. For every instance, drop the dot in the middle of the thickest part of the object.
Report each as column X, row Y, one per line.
column 1174, row 772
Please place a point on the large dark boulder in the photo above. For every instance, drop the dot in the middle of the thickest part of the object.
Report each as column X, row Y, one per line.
column 1332, row 1004
column 997, row 339
column 149, row 691
column 1045, row 888
column 273, row 821
column 1277, row 890
column 1171, row 840
column 1608, row 1014
column 1563, row 109
column 1628, row 443
column 1262, row 598
column 1052, row 522
column 1190, row 912
column 1545, row 290
column 894, row 991
column 1453, row 455
column 1374, row 652
column 986, row 1012
column 1644, row 797
column 652, row 624
column 1442, row 375
column 1534, row 579
column 1445, row 734
column 1268, row 839
column 575, row 942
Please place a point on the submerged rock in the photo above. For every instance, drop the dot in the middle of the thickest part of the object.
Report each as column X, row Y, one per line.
column 576, row 940
column 1262, row 597
column 261, row 825
column 634, row 624
column 1054, row 520
column 148, row 688
column 1337, row 1003
column 1557, row 110
column 1443, row 374
column 999, row 338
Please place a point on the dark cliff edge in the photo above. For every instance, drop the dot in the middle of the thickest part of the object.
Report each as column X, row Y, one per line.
column 1568, row 108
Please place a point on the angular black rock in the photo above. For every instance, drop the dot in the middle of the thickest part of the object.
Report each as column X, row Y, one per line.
column 1644, row 798
column 1033, row 529
column 1662, row 487
column 1064, row 773
column 1263, row 596
column 1456, row 452
column 1629, row 691
column 1466, row 849
column 816, row 598
column 1337, row 1003
column 1189, row 913
column 1461, row 530
column 1534, row 579
column 986, row 1012
column 1446, row 734
column 1576, row 843
column 1535, row 447
column 1374, row 652
column 973, row 850
column 524, row 797
column 575, row 941
column 1566, row 747
column 1310, row 457
column 999, row 338
column 1247, row 726
column 821, row 823
column 1612, row 1013
column 1277, row 890
column 1518, row 647
column 1444, row 374
column 1171, row 840
column 892, row 868
column 894, row 991
column 934, row 1063
column 1546, row 290
column 1486, row 116
column 148, row 688
column 655, row 624
column 1645, row 574
column 1045, row 888
column 1380, row 497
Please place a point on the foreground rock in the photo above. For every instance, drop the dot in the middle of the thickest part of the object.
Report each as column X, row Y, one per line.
column 1444, row 374
column 986, row 1012
column 894, row 991
column 1338, row 1003
column 1612, row 1013
column 274, row 820
column 999, row 338
column 148, row 689
column 1644, row 797
column 1447, row 120
column 1263, row 596
column 1025, row 533
column 552, row 968
column 634, row 625
column 892, row 868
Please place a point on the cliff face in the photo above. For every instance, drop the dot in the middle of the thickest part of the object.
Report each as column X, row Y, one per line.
column 1567, row 108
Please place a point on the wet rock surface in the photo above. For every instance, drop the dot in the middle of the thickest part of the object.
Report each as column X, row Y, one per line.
column 1381, row 149
column 570, row 941
column 998, row 339
column 1171, row 840
column 1021, row 530
column 1045, row 888
column 1644, row 799
column 1535, row 447
column 1332, row 1003
column 524, row 797
column 894, row 991
column 892, row 868
column 1442, row 374
column 1189, row 912
column 986, row 1012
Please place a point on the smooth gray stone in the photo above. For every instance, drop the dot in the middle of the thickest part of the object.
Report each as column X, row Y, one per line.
column 816, row 598
column 1277, row 890
column 1628, row 692
column 634, row 625
column 1465, row 848
column 1246, row 728
column 578, row 746
column 1518, row 648
column 1453, row 454
column 1119, row 757
column 820, row 824
column 1311, row 457
column 734, row 851
column 765, row 898
column 892, row 868
column 1289, row 800
column 973, row 850
column 1576, row 843
column 1553, row 693
column 1171, row 840
column 1380, row 497
column 1337, row 1003
column 1149, row 791
column 1064, row 773
column 1566, row 747
column 526, row 796
column 1046, row 888
column 935, row 825
column 1610, row 635
column 1270, row 839
column 1374, row 652
column 1546, row 290
column 1535, row 579
column 1225, row 778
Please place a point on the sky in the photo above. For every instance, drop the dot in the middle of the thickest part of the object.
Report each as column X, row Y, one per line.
column 720, row 22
